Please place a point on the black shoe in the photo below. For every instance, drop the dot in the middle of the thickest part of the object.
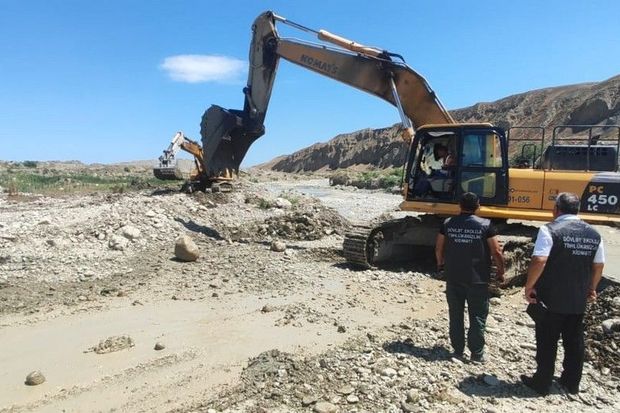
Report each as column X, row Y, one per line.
column 478, row 358
column 531, row 383
column 570, row 388
column 457, row 355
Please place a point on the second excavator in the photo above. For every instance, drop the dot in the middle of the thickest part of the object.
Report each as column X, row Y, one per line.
column 445, row 158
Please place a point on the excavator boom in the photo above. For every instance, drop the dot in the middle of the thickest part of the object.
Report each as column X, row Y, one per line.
column 227, row 134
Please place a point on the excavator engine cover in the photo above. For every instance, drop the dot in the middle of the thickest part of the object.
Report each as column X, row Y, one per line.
column 226, row 139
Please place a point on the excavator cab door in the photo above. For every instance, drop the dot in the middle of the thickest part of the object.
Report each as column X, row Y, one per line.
column 446, row 162
column 483, row 165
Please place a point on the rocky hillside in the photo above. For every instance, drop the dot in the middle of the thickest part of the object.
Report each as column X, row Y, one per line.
column 587, row 103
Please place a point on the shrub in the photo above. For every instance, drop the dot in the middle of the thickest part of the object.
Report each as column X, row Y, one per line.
column 340, row 178
column 386, row 179
column 264, row 203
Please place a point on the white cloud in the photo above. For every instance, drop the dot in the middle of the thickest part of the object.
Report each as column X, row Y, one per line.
column 193, row 68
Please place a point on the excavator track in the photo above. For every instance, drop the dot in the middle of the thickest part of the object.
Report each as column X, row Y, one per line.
column 395, row 240
column 355, row 245
column 390, row 241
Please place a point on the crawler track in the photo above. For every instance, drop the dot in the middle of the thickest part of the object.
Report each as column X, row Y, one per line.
column 389, row 241
column 395, row 240
column 355, row 245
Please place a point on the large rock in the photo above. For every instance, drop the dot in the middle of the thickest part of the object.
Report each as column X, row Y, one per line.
column 278, row 246
column 130, row 232
column 283, row 203
column 185, row 249
column 118, row 243
column 35, row 378
column 325, row 407
column 611, row 326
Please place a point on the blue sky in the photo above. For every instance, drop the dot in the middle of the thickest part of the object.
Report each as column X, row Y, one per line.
column 109, row 81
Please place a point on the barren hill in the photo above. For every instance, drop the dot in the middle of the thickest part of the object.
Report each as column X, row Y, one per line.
column 586, row 103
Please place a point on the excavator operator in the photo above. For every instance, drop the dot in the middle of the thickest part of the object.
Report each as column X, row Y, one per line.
column 439, row 180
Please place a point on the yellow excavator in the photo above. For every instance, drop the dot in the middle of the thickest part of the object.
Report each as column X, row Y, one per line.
column 585, row 162
column 168, row 168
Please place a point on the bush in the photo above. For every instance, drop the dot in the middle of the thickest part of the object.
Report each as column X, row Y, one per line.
column 30, row 164
column 292, row 198
column 386, row 179
column 264, row 203
column 340, row 178
column 118, row 189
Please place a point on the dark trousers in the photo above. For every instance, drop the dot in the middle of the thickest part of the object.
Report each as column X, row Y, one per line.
column 548, row 332
column 477, row 298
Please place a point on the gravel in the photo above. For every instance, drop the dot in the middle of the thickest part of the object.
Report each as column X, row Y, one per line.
column 83, row 253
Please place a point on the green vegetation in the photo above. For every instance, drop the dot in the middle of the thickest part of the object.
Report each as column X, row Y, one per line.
column 30, row 164
column 290, row 197
column 264, row 203
column 378, row 179
column 22, row 180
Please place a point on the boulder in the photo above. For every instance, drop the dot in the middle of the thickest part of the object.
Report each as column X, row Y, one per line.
column 35, row 378
column 611, row 325
column 118, row 243
column 283, row 203
column 130, row 232
column 325, row 407
column 278, row 246
column 185, row 249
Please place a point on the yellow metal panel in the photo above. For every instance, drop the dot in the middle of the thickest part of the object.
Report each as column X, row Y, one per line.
column 567, row 181
column 453, row 125
column 430, row 207
column 500, row 212
column 525, row 188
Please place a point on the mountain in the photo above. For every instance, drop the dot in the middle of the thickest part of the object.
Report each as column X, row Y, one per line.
column 586, row 103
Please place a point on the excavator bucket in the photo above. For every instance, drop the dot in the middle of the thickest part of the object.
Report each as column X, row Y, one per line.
column 226, row 138
column 168, row 173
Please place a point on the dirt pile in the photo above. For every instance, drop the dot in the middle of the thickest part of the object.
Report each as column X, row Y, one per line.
column 602, row 347
column 306, row 220
column 78, row 249
column 305, row 225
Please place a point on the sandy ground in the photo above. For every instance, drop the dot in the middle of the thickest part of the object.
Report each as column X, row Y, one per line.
column 61, row 297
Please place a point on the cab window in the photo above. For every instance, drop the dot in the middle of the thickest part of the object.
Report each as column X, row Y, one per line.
column 483, row 150
column 482, row 184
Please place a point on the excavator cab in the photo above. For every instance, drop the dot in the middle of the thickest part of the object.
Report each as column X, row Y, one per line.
column 446, row 161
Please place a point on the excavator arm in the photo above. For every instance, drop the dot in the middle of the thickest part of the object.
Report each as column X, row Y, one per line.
column 168, row 169
column 227, row 134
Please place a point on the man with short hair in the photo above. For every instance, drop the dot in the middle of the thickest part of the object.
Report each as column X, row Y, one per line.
column 566, row 267
column 464, row 247
column 442, row 154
